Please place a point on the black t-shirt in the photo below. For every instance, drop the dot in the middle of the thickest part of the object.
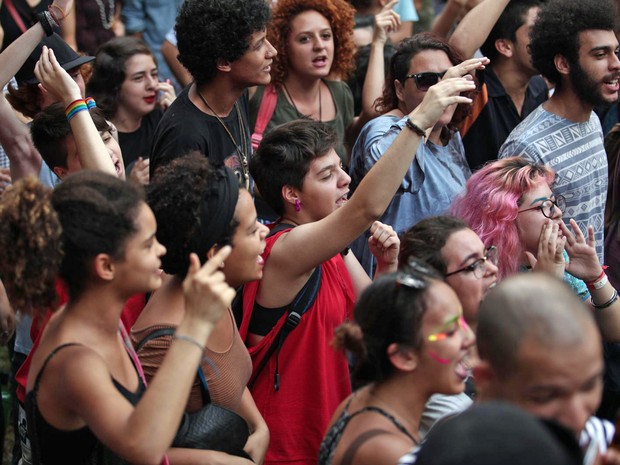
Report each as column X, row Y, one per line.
column 27, row 14
column 494, row 116
column 138, row 143
column 184, row 128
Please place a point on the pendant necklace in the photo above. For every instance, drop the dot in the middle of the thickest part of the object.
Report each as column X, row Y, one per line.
column 290, row 97
column 243, row 158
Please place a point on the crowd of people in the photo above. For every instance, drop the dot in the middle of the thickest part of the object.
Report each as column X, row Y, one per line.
column 272, row 268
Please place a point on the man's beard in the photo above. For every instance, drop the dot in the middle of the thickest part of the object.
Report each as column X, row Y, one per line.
column 586, row 89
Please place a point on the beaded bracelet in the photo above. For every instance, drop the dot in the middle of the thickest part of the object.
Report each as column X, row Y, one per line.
column 90, row 102
column 74, row 108
column 191, row 340
column 613, row 298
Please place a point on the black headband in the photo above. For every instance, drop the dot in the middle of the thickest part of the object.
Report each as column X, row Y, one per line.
column 218, row 209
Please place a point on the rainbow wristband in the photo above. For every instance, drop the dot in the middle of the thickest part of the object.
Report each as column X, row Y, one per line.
column 74, row 108
column 90, row 102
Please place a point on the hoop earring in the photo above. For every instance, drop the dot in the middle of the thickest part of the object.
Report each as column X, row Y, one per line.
column 297, row 205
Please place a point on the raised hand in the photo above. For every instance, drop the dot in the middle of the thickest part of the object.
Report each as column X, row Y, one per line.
column 549, row 257
column 384, row 244
column 439, row 97
column 167, row 96
column 584, row 263
column 140, row 172
column 466, row 67
column 54, row 80
column 207, row 295
column 386, row 21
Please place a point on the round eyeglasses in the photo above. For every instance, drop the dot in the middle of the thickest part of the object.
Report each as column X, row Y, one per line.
column 548, row 206
column 479, row 267
column 425, row 80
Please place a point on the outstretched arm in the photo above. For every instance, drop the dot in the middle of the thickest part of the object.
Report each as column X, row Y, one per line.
column 476, row 26
column 57, row 82
column 288, row 271
column 14, row 135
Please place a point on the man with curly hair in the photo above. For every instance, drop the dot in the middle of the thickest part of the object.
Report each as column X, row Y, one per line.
column 574, row 46
column 223, row 45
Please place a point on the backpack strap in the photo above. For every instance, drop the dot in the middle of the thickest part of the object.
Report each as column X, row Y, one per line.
column 301, row 304
column 265, row 112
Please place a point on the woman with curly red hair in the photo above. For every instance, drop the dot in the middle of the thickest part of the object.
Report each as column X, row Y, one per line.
column 315, row 50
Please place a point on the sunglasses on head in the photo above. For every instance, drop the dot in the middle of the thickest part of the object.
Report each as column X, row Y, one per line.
column 424, row 80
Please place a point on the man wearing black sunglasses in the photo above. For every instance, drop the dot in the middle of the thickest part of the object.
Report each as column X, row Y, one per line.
column 574, row 46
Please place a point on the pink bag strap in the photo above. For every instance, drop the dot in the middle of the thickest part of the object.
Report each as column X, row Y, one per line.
column 265, row 112
column 15, row 15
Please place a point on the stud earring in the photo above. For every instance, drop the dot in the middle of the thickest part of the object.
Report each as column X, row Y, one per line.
column 297, row 205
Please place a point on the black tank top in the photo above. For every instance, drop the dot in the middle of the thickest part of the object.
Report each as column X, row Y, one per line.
column 51, row 445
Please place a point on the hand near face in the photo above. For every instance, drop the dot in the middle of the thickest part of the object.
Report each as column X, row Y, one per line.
column 439, row 97
column 140, row 172
column 584, row 263
column 54, row 80
column 549, row 258
column 207, row 295
column 467, row 67
column 166, row 93
column 384, row 244
column 386, row 21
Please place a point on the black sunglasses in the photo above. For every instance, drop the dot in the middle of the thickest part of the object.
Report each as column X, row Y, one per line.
column 424, row 80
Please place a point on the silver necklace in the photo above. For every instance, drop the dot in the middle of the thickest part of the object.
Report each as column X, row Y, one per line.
column 243, row 158
column 290, row 97
column 105, row 21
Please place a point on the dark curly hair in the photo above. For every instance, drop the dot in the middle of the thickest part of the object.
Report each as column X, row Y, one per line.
column 178, row 196
column 399, row 67
column 512, row 18
column 340, row 15
column 109, row 70
column 556, row 31
column 423, row 242
column 389, row 311
column 212, row 30
column 45, row 234
column 284, row 156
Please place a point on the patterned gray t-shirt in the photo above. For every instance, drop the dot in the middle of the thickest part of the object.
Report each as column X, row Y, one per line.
column 576, row 153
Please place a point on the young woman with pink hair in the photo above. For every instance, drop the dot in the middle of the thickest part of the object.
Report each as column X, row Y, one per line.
column 509, row 204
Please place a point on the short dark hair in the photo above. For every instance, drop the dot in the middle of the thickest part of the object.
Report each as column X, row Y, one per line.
column 387, row 312
column 284, row 156
column 212, row 30
column 109, row 70
column 423, row 241
column 45, row 234
column 512, row 18
column 557, row 27
column 178, row 196
column 50, row 129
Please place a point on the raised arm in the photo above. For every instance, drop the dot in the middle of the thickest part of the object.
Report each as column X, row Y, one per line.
column 314, row 243
column 476, row 26
column 14, row 135
column 57, row 82
column 143, row 434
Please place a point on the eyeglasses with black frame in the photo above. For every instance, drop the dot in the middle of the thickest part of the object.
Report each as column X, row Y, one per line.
column 479, row 267
column 548, row 206
column 425, row 80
